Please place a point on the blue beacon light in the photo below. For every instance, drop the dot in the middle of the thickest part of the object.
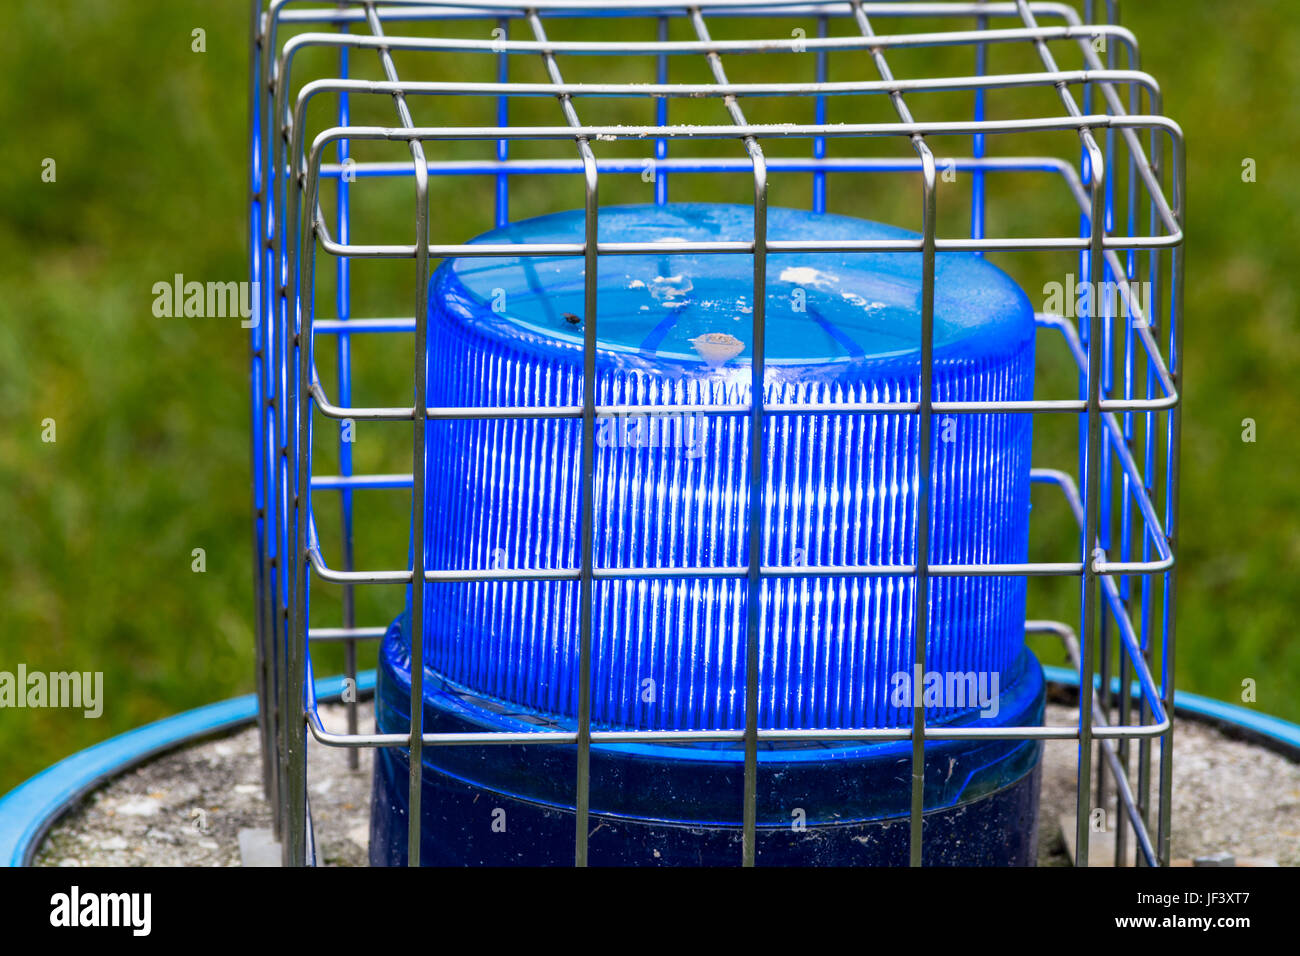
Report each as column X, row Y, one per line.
column 671, row 490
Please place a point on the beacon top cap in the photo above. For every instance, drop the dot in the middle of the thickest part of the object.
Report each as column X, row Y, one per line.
column 697, row 309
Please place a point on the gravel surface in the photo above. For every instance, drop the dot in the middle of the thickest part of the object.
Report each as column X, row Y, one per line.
column 187, row 808
column 1229, row 796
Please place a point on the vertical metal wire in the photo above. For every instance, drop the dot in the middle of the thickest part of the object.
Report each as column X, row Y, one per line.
column 292, row 458
column 1092, row 507
column 347, row 430
column 586, row 522
column 268, row 454
column 294, row 841
column 503, row 120
column 276, row 347
column 754, row 576
column 1126, row 489
column 1148, row 464
column 754, row 587
column 1172, row 526
column 1094, row 167
column 419, row 502
column 1148, row 478
column 1102, row 300
column 1098, row 302
column 929, row 186
column 819, row 142
column 977, row 141
column 916, row 816
column 587, row 491
column 254, row 148
column 661, row 116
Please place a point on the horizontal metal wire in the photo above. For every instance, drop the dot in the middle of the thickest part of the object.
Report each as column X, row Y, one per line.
column 796, row 45
column 702, row 164
column 561, row 737
column 544, row 249
column 719, row 90
column 1053, row 405
column 485, row 412
column 349, row 11
column 345, row 633
column 344, row 482
column 1028, row 569
column 779, row 131
column 1158, row 726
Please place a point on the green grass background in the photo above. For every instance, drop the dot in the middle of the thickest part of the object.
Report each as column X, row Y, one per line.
column 150, row 462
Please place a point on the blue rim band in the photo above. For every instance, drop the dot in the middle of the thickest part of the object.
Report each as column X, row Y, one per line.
column 1273, row 732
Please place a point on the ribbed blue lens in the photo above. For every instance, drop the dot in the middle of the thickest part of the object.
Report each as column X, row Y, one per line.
column 673, row 491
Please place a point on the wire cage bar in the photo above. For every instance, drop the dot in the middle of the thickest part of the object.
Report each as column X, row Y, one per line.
column 1124, row 184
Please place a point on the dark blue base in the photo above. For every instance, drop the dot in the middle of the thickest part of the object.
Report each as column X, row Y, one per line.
column 678, row 804
column 997, row 830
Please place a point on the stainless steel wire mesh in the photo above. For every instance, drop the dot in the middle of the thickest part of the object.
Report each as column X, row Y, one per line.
column 1122, row 177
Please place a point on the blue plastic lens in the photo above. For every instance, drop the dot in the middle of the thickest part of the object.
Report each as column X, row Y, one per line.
column 672, row 490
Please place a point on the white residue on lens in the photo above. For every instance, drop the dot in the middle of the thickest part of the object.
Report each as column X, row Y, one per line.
column 854, row 299
column 672, row 291
column 717, row 348
column 807, row 276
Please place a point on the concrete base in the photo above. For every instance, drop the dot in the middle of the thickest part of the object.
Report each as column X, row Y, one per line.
column 1229, row 795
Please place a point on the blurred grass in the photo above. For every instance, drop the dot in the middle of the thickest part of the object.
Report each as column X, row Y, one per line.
column 151, row 455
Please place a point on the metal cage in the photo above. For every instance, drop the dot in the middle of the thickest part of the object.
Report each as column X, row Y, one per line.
column 1124, row 351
